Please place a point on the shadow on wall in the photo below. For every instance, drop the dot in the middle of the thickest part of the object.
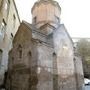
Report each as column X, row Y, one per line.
column 2, row 87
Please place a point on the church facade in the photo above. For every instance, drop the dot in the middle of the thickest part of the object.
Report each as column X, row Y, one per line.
column 42, row 57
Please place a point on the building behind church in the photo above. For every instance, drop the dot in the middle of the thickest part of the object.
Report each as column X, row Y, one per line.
column 9, row 22
column 42, row 57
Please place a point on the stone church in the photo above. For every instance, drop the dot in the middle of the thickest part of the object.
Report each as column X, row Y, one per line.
column 42, row 57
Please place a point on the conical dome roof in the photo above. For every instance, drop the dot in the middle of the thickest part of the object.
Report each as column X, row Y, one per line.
column 46, row 12
column 46, row 1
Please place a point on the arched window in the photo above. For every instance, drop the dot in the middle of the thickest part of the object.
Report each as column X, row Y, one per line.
column 2, row 28
column 54, row 54
column 29, row 55
column 20, row 51
column 1, row 52
column 14, row 20
column 29, row 58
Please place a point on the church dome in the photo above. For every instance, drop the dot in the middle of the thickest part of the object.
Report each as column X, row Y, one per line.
column 46, row 11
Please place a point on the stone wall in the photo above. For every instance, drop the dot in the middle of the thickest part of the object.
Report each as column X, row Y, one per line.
column 79, row 72
column 22, row 61
column 66, row 69
column 9, row 22
column 45, row 67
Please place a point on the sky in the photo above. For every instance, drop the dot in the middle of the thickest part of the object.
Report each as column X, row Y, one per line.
column 75, row 14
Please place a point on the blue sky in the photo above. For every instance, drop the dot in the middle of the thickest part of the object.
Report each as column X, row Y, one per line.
column 75, row 15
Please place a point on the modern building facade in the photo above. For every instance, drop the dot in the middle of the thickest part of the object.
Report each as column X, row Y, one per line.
column 9, row 22
column 42, row 57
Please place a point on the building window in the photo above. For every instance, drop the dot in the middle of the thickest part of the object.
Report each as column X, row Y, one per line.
column 1, row 52
column 7, row 4
column 1, row 1
column 29, row 54
column 54, row 54
column 8, row 7
column 20, row 51
column 5, row 7
column 11, row 36
column 2, row 28
column 34, row 20
column 29, row 57
column 14, row 20
column 65, row 51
